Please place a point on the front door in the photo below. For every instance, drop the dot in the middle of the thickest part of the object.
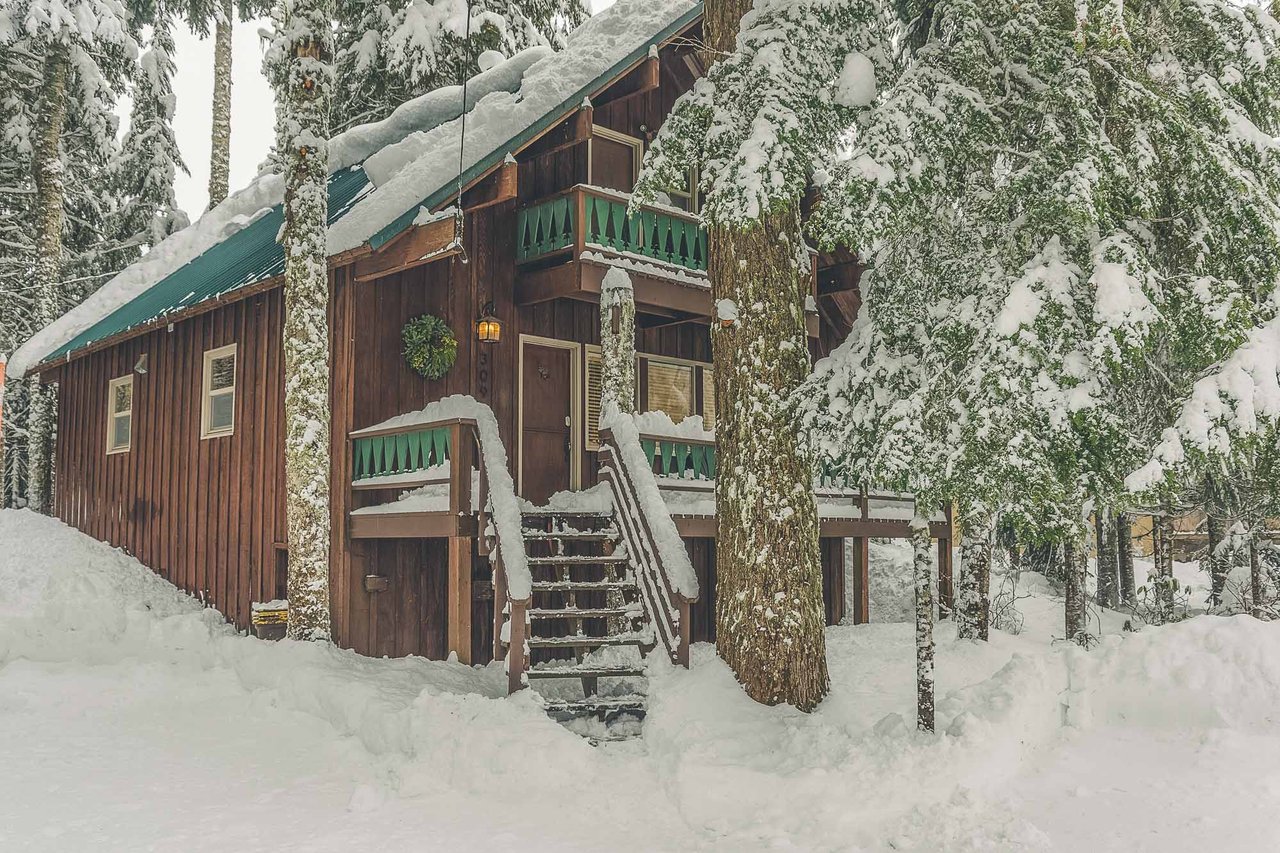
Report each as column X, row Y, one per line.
column 546, row 422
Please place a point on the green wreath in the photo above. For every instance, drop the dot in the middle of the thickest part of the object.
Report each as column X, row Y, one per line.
column 429, row 346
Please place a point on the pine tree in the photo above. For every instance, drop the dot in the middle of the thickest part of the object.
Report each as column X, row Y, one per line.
column 389, row 52
column 149, row 158
column 1054, row 249
column 922, row 573
column 300, row 63
column 783, row 84
column 1124, row 556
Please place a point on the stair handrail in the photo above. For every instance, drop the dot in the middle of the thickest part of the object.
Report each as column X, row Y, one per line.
column 664, row 573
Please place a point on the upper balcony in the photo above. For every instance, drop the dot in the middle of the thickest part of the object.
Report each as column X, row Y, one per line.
column 567, row 242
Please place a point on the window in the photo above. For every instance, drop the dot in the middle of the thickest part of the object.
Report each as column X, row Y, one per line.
column 120, row 414
column 684, row 197
column 218, row 410
column 708, row 398
column 669, row 389
column 614, row 159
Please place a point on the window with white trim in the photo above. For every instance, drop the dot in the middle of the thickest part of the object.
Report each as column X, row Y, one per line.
column 218, row 406
column 120, row 414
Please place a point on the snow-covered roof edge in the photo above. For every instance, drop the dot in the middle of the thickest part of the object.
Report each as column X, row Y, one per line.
column 264, row 192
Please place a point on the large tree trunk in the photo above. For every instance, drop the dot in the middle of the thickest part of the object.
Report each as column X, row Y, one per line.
column 1075, row 554
column 50, row 196
column 305, row 149
column 973, row 589
column 1124, row 557
column 1104, row 527
column 923, row 574
column 769, row 614
column 220, row 150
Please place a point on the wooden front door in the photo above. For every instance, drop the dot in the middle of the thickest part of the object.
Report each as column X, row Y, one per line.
column 546, row 431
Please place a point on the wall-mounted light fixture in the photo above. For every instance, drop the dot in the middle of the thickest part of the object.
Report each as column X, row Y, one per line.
column 488, row 327
column 140, row 366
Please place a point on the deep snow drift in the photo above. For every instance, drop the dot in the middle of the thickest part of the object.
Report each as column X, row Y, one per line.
column 132, row 719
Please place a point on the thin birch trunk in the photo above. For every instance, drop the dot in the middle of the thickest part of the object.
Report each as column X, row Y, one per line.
column 220, row 149
column 922, row 568
column 50, row 199
column 973, row 587
column 1075, row 558
column 1216, row 530
column 304, row 144
column 1256, row 588
column 1163, row 581
column 770, row 620
column 1124, row 557
column 1104, row 524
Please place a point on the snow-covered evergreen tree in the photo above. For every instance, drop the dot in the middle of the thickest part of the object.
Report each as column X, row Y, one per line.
column 1069, row 212
column 784, row 80
column 84, row 49
column 392, row 50
column 149, row 158
column 300, row 62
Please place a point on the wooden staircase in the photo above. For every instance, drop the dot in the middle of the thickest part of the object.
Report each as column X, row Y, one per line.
column 587, row 634
column 598, row 592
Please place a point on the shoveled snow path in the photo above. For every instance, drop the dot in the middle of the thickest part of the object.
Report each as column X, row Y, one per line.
column 132, row 719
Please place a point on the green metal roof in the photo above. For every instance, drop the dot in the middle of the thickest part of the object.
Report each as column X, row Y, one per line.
column 249, row 256
column 253, row 254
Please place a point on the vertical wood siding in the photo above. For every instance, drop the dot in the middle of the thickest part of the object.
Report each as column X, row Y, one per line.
column 206, row 514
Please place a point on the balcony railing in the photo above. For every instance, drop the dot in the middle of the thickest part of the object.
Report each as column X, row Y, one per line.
column 695, row 459
column 591, row 218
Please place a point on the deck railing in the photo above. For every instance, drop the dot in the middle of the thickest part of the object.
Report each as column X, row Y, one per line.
column 591, row 218
column 667, row 604
column 695, row 459
column 403, row 457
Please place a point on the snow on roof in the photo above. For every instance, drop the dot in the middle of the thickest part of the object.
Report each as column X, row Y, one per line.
column 264, row 193
column 423, row 168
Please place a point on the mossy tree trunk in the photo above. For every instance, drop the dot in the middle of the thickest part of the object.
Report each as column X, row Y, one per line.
column 973, row 588
column 618, row 340
column 42, row 401
column 220, row 149
column 1124, row 557
column 305, row 151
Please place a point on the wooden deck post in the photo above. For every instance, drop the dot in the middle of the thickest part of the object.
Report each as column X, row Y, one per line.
column 862, row 583
column 459, row 612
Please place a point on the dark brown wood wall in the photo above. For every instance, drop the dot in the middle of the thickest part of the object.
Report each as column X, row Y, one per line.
column 206, row 514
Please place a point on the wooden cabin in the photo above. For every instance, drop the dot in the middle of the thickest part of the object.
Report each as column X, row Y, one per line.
column 170, row 434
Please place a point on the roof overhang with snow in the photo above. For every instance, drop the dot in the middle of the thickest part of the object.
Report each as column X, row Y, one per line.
column 382, row 176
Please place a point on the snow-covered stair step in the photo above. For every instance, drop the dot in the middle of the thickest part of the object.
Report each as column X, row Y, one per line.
column 582, row 641
column 582, row 586
column 563, row 514
column 578, row 559
column 581, row 612
column 595, row 704
column 609, row 535
column 587, row 670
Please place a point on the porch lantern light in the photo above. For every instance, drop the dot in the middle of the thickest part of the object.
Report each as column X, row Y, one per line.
column 488, row 327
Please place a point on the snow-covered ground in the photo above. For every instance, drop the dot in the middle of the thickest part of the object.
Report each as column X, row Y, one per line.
column 132, row 719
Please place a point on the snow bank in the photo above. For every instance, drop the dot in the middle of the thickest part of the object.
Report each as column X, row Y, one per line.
column 660, row 424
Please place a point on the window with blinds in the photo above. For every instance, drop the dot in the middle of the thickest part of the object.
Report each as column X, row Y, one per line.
column 670, row 389
column 595, row 380
column 708, row 398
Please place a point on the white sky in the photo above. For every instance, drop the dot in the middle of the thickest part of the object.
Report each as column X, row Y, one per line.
column 252, row 112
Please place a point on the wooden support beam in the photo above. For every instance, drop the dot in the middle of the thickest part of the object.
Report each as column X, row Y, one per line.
column 459, row 611
column 574, row 129
column 946, row 583
column 639, row 80
column 862, row 583
column 419, row 244
column 500, row 185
